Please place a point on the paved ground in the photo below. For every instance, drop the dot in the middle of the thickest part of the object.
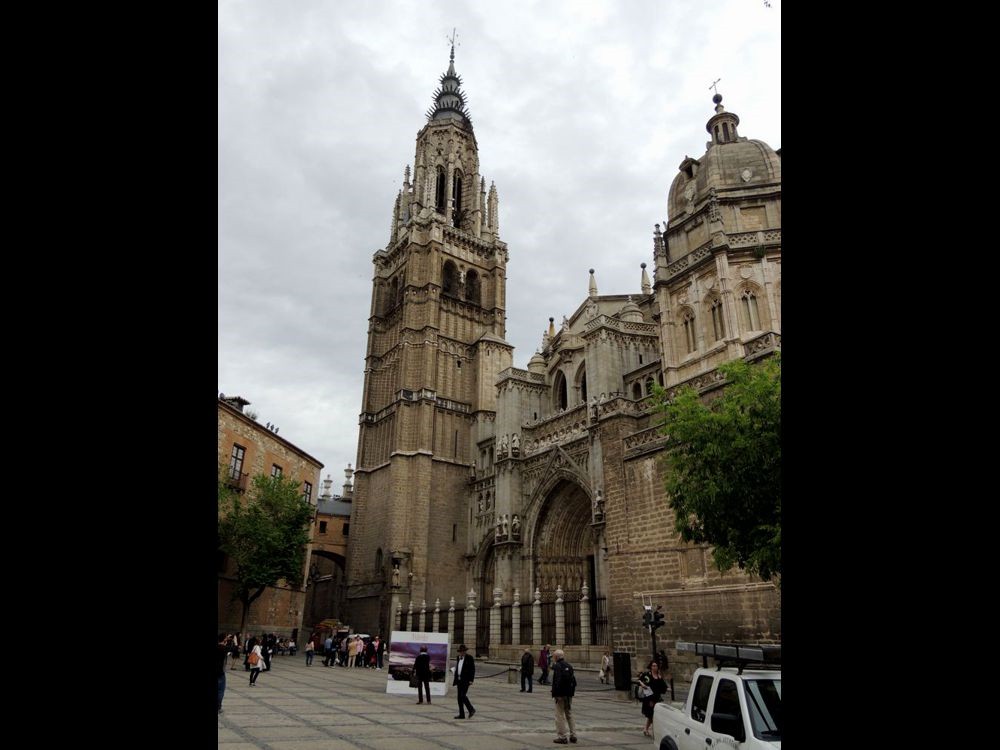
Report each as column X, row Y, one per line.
column 294, row 707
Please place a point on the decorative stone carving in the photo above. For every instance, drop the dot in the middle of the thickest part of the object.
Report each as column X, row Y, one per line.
column 515, row 445
column 506, row 525
column 395, row 577
column 515, row 527
column 599, row 507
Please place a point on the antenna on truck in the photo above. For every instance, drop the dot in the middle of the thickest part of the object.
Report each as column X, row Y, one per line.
column 734, row 654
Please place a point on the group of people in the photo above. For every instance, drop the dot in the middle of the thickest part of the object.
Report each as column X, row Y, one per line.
column 353, row 650
column 563, row 685
column 350, row 650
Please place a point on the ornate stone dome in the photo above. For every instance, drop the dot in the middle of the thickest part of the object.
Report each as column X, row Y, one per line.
column 731, row 163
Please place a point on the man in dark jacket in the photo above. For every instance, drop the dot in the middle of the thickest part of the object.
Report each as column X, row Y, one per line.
column 422, row 669
column 465, row 673
column 527, row 668
column 563, row 689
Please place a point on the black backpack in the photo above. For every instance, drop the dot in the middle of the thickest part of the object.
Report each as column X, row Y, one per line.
column 569, row 678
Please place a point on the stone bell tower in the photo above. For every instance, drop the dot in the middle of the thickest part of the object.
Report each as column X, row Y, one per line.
column 435, row 346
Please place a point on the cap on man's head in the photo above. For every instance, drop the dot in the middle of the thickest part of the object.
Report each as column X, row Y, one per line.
column 461, row 648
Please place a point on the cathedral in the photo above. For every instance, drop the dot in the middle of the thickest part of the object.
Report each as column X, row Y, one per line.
column 515, row 506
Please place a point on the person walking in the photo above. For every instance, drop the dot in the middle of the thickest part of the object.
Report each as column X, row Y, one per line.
column 527, row 668
column 652, row 686
column 465, row 673
column 563, row 690
column 606, row 667
column 543, row 664
column 310, row 653
column 328, row 651
column 422, row 669
column 255, row 661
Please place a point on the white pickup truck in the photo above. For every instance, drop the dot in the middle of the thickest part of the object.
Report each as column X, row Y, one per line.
column 735, row 706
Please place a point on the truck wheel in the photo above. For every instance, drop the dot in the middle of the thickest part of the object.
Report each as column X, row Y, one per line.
column 667, row 744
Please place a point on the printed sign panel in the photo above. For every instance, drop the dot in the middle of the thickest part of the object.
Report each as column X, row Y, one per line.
column 403, row 649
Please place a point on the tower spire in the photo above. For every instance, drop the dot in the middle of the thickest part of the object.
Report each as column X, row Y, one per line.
column 449, row 100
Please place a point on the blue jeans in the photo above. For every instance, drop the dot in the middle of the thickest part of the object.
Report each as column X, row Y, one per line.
column 222, row 688
column 309, row 657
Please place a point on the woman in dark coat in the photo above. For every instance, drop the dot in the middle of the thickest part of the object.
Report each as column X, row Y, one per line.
column 422, row 668
column 652, row 686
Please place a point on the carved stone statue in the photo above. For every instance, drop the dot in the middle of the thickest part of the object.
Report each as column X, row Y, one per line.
column 499, row 529
column 515, row 527
column 502, row 447
column 599, row 506
column 395, row 577
column 515, row 445
column 480, row 504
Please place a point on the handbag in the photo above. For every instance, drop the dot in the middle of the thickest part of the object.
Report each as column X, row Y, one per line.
column 414, row 680
column 253, row 659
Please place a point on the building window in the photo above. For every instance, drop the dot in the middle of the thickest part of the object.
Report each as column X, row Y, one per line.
column 449, row 278
column 322, row 527
column 689, row 332
column 750, row 310
column 636, row 391
column 454, row 530
column 456, row 195
column 472, row 287
column 275, row 470
column 559, row 392
column 718, row 326
column 307, row 493
column 347, row 529
column 439, row 193
column 378, row 560
column 236, row 461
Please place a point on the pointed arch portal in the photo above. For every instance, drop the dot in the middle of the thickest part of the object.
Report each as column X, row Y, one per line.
column 562, row 545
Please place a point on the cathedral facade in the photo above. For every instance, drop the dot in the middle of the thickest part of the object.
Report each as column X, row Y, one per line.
column 531, row 502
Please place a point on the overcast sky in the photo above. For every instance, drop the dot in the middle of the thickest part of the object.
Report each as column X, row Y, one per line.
column 582, row 112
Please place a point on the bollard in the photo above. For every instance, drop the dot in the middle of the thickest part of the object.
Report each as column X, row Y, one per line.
column 512, row 675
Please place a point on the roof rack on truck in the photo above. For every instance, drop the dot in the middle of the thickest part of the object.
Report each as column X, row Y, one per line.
column 735, row 654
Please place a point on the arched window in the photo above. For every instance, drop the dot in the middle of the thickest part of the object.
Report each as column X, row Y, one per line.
column 583, row 387
column 718, row 325
column 750, row 313
column 390, row 301
column 660, row 378
column 449, row 278
column 725, row 131
column 439, row 192
column 456, row 197
column 472, row 287
column 399, row 288
column 378, row 560
column 649, row 385
column 689, row 331
column 559, row 400
column 636, row 390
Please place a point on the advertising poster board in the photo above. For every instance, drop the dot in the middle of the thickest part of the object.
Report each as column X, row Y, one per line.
column 403, row 649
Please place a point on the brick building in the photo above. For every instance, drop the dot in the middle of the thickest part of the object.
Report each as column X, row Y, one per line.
column 535, row 497
column 246, row 449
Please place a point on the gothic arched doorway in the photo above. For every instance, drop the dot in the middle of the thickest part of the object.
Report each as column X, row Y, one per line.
column 563, row 548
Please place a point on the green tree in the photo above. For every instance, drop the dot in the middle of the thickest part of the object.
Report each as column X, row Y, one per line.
column 265, row 534
column 724, row 467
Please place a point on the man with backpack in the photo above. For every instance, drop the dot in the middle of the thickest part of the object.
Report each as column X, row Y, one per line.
column 563, row 690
